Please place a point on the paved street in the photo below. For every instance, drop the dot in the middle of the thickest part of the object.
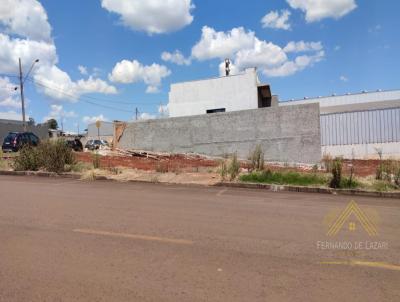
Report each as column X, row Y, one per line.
column 69, row 240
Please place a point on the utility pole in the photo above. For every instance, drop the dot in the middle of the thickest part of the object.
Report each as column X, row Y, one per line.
column 136, row 113
column 21, row 88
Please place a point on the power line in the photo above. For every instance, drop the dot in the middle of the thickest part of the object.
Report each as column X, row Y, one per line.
column 86, row 101
column 89, row 97
column 9, row 75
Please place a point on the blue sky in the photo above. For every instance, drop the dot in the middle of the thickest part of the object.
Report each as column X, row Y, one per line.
column 346, row 46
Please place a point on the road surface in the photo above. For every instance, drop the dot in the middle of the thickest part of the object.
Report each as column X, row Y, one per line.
column 69, row 240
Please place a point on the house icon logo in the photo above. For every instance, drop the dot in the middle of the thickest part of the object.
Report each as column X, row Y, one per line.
column 352, row 211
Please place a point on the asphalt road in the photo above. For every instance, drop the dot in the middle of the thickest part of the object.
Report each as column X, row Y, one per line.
column 68, row 240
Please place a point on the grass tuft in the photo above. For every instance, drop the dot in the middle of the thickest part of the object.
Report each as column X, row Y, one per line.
column 284, row 178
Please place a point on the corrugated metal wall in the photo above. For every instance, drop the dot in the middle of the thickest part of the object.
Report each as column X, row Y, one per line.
column 361, row 127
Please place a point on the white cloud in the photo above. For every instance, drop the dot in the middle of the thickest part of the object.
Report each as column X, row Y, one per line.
column 222, row 45
column 343, row 78
column 317, row 10
column 246, row 50
column 127, row 72
column 275, row 20
column 302, row 46
column 95, row 85
column 58, row 112
column 263, row 54
column 11, row 115
column 26, row 49
column 94, row 119
column 10, row 103
column 26, row 18
column 176, row 57
column 82, row 70
column 147, row 116
column 293, row 66
column 58, row 85
column 152, row 16
column 152, row 89
column 8, row 96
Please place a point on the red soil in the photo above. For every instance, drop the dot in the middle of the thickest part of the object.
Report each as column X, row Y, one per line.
column 178, row 162
column 172, row 163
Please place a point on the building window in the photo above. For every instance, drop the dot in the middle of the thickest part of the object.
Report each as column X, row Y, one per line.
column 216, row 110
column 264, row 96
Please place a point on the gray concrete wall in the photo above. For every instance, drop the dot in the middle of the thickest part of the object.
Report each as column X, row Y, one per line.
column 106, row 129
column 286, row 134
column 40, row 130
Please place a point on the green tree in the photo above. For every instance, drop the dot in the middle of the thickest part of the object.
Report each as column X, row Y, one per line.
column 31, row 121
column 52, row 124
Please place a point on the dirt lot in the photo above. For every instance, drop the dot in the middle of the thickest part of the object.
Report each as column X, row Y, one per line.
column 174, row 163
column 181, row 163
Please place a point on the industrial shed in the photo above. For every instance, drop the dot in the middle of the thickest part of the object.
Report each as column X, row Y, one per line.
column 359, row 125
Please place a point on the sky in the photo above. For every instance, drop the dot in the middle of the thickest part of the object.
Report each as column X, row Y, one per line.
column 102, row 59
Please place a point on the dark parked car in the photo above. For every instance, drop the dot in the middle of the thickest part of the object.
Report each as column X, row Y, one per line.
column 95, row 144
column 75, row 145
column 15, row 140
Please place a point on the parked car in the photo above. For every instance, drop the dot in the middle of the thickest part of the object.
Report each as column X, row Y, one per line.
column 75, row 145
column 15, row 140
column 96, row 144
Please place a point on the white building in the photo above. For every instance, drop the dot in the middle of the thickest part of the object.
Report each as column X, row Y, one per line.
column 359, row 125
column 223, row 94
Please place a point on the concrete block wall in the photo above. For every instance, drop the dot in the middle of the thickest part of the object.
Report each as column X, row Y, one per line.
column 41, row 131
column 286, row 134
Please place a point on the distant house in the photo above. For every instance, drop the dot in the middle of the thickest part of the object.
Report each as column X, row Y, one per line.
column 224, row 94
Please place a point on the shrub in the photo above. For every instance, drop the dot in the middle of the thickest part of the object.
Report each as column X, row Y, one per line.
column 51, row 156
column 337, row 165
column 96, row 160
column 349, row 183
column 223, row 170
column 81, row 167
column 28, row 159
column 327, row 162
column 233, row 167
column 382, row 186
column 396, row 173
column 256, row 158
column 54, row 155
column 379, row 170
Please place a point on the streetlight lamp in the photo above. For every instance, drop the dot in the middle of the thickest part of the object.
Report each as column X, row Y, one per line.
column 21, row 88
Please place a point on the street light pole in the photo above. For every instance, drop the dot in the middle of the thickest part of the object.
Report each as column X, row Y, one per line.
column 21, row 88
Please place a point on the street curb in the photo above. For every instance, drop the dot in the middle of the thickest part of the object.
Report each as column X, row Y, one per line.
column 40, row 174
column 267, row 187
column 299, row 189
